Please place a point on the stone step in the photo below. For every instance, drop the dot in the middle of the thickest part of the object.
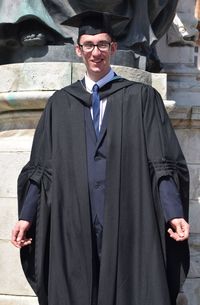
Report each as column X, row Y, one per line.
column 17, row 300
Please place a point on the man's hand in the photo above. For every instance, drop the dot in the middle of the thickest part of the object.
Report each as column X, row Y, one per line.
column 19, row 239
column 179, row 230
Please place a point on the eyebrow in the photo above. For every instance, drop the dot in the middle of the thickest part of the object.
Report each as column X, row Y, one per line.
column 101, row 41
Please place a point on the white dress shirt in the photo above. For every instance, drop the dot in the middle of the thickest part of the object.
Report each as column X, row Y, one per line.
column 89, row 85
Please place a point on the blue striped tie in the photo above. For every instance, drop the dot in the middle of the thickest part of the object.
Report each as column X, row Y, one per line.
column 96, row 107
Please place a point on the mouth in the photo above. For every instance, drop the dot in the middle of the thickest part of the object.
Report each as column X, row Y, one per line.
column 97, row 61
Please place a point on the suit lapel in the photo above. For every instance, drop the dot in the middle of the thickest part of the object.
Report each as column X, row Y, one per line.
column 103, row 126
column 89, row 124
column 78, row 140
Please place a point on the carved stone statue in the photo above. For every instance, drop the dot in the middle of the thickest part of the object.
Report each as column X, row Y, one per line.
column 28, row 23
column 31, row 23
column 183, row 31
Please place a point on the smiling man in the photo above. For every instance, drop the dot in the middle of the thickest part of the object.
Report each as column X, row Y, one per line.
column 103, row 200
column 96, row 52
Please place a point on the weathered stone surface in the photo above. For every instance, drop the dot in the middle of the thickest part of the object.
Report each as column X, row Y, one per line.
column 190, row 138
column 184, row 95
column 12, row 280
column 11, row 164
column 16, row 140
column 16, row 120
column 8, row 217
column 169, row 105
column 181, row 299
column 28, row 87
column 194, row 170
column 194, row 242
column 181, row 113
column 180, row 64
column 196, row 113
column 195, row 216
column 185, row 117
column 23, row 100
column 157, row 80
column 17, row 300
column 134, row 74
column 78, row 70
column 14, row 154
column 50, row 53
column 191, row 287
column 192, row 291
column 55, row 75
column 35, row 76
column 174, row 55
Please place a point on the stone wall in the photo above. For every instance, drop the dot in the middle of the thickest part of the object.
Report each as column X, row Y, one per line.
column 180, row 62
column 186, row 121
column 14, row 152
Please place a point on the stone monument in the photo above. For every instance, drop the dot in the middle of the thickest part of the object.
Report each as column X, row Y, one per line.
column 180, row 62
column 32, row 30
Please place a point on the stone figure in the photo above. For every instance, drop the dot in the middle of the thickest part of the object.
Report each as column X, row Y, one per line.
column 38, row 22
column 27, row 23
column 149, row 21
column 183, row 30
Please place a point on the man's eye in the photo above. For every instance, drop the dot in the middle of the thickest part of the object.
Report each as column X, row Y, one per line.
column 88, row 45
column 103, row 44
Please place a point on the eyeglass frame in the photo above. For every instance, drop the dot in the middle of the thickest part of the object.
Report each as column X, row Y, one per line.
column 96, row 45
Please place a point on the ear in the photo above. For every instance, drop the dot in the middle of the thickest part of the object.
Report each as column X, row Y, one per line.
column 113, row 47
column 78, row 51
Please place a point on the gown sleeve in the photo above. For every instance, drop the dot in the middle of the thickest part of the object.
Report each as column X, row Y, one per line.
column 30, row 204
column 165, row 159
column 170, row 199
column 37, row 175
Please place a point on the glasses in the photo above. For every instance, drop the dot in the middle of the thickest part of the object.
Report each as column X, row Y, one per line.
column 101, row 46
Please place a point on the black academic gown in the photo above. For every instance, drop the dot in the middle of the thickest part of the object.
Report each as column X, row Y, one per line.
column 139, row 263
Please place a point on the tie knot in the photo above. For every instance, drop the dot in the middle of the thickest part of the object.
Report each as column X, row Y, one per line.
column 95, row 88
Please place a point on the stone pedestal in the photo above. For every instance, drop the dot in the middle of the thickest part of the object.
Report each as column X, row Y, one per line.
column 14, row 153
column 181, row 63
column 186, row 120
column 25, row 88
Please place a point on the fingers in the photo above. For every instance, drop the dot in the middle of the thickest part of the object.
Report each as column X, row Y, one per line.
column 175, row 235
column 24, row 242
column 179, row 230
column 18, row 238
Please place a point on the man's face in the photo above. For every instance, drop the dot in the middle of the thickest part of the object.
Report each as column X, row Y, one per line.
column 96, row 59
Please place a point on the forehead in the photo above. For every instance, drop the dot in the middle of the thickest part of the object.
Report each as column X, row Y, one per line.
column 95, row 38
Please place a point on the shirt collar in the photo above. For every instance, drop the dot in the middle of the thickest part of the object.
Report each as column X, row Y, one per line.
column 90, row 83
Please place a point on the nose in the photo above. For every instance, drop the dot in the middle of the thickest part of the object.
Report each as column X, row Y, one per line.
column 96, row 50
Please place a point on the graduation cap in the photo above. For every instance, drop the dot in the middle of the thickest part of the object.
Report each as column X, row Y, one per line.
column 93, row 22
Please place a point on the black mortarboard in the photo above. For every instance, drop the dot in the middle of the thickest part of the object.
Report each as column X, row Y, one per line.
column 92, row 22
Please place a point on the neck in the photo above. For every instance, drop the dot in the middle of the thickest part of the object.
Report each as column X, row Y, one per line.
column 96, row 78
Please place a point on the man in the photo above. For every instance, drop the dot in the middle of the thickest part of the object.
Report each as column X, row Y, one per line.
column 110, row 186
